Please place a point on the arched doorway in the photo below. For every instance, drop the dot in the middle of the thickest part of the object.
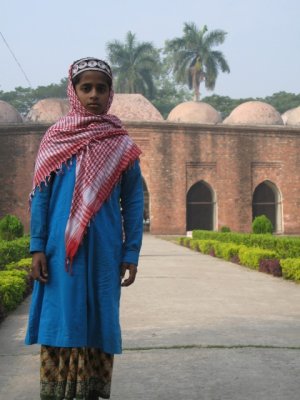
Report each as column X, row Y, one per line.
column 267, row 201
column 146, row 207
column 200, row 210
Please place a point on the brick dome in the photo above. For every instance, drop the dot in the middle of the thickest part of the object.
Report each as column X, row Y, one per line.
column 195, row 112
column 292, row 117
column 254, row 113
column 8, row 114
column 134, row 107
column 48, row 110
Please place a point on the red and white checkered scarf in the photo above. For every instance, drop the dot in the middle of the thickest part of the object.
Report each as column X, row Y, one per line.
column 103, row 151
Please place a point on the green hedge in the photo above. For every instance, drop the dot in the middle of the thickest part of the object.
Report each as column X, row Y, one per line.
column 206, row 246
column 285, row 247
column 11, row 228
column 12, row 289
column 15, row 284
column 291, row 268
column 13, row 250
column 251, row 256
column 226, row 250
column 194, row 245
column 248, row 256
column 23, row 264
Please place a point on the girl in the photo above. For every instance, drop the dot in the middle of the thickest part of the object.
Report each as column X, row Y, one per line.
column 86, row 232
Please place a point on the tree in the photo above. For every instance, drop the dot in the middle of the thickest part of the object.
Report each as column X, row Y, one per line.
column 194, row 59
column 134, row 65
column 168, row 94
column 24, row 98
column 283, row 101
column 224, row 104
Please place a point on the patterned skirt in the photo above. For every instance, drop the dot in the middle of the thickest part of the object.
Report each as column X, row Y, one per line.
column 75, row 373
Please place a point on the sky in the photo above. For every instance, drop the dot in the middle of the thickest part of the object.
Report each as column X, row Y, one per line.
column 262, row 45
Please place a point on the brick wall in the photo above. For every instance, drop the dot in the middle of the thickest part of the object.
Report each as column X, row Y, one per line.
column 231, row 160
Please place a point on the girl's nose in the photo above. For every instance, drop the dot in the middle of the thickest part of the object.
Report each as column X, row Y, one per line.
column 94, row 92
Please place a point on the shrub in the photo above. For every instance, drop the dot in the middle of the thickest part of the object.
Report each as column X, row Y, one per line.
column 207, row 246
column 270, row 266
column 12, row 289
column 13, row 250
column 262, row 224
column 225, row 229
column 291, row 268
column 186, row 241
column 251, row 256
column 285, row 247
column 11, row 228
column 228, row 251
column 194, row 245
column 23, row 264
column 180, row 241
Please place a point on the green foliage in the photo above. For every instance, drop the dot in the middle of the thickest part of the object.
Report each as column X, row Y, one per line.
column 11, row 228
column 225, row 229
column 262, row 259
column 224, row 104
column 134, row 64
column 283, row 101
column 291, row 268
column 15, row 283
column 284, row 246
column 24, row 98
column 227, row 251
column 262, row 224
column 194, row 245
column 186, row 241
column 23, row 264
column 251, row 256
column 13, row 250
column 206, row 246
column 194, row 57
column 168, row 94
column 12, row 288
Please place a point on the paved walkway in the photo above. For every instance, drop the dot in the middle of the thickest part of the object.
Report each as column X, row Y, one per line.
column 194, row 328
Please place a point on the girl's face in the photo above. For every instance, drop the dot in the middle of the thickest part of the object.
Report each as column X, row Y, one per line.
column 93, row 91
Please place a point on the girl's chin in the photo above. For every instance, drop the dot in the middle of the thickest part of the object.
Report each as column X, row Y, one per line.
column 95, row 110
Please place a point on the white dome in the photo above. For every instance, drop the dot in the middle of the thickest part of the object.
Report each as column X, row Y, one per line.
column 134, row 107
column 48, row 110
column 254, row 113
column 8, row 114
column 195, row 112
column 292, row 117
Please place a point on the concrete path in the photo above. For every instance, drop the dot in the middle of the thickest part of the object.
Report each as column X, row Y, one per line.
column 194, row 328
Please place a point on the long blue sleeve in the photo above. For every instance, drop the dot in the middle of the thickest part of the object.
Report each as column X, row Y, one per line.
column 132, row 203
column 39, row 218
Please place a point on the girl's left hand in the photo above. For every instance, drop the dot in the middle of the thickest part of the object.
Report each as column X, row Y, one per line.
column 132, row 268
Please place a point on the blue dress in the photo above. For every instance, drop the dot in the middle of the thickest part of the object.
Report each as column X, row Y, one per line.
column 81, row 309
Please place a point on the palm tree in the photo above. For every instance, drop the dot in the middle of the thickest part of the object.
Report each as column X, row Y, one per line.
column 134, row 65
column 193, row 57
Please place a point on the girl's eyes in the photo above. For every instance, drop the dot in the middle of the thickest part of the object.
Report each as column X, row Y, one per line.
column 99, row 88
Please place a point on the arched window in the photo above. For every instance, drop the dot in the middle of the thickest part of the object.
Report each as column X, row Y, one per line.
column 267, row 201
column 200, row 210
column 146, row 207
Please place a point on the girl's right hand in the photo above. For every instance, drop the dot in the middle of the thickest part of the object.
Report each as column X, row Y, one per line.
column 39, row 267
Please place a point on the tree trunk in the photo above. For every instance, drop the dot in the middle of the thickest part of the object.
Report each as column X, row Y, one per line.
column 196, row 86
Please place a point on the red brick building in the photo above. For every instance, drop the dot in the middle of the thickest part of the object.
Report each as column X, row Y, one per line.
column 198, row 174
